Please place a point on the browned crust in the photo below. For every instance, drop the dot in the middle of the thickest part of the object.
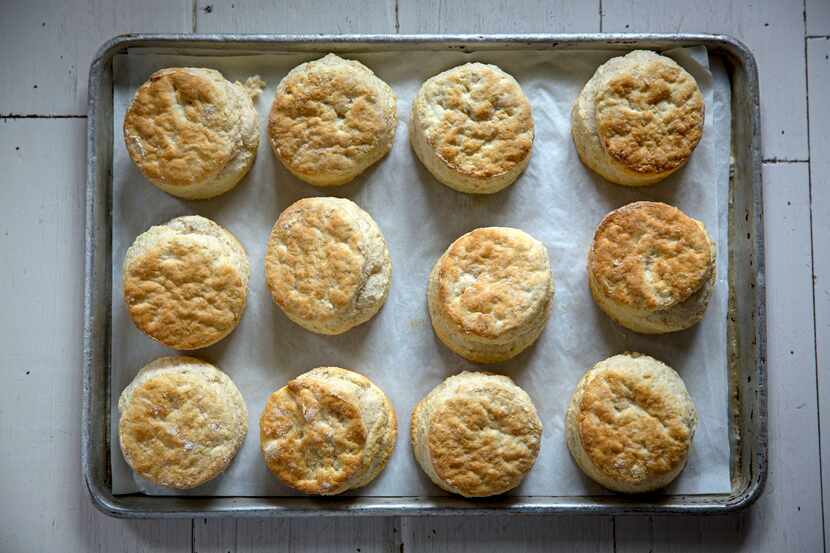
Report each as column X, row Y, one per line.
column 650, row 116
column 650, row 255
column 483, row 444
column 320, row 437
column 179, row 294
column 328, row 117
column 504, row 263
column 180, row 126
column 486, row 127
column 631, row 431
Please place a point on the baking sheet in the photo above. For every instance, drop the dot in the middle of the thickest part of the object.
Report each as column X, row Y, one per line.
column 557, row 200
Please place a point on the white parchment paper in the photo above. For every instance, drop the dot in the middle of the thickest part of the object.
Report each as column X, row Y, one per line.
column 557, row 200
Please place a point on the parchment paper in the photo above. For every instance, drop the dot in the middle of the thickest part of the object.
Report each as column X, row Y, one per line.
column 557, row 200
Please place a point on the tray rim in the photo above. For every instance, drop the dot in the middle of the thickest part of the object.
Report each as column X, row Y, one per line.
column 200, row 507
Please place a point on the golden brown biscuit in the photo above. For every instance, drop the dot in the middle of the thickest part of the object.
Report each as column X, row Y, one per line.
column 327, row 265
column 638, row 119
column 476, row 434
column 630, row 423
column 185, row 282
column 327, row 431
column 191, row 132
column 331, row 119
column 651, row 268
column 489, row 295
column 472, row 127
column 181, row 423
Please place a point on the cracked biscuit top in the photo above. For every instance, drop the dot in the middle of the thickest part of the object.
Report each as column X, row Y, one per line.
column 181, row 422
column 493, row 282
column 635, row 419
column 185, row 126
column 650, row 255
column 331, row 119
column 327, row 431
column 185, row 282
column 327, row 264
column 476, row 119
column 478, row 432
column 649, row 112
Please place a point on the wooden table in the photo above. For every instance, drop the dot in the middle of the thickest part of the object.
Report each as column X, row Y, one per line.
column 45, row 51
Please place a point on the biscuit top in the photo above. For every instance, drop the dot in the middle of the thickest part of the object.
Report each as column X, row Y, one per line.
column 321, row 264
column 477, row 119
column 184, row 125
column 635, row 418
column 649, row 112
column 182, row 421
column 329, row 115
column 185, row 282
column 493, row 280
column 650, row 255
column 483, row 433
column 313, row 434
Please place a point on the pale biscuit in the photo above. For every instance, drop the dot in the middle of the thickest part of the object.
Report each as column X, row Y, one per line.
column 652, row 268
column 192, row 133
column 630, row 423
column 331, row 119
column 638, row 119
column 185, row 282
column 472, row 127
column 181, row 423
column 489, row 295
column 327, row 431
column 476, row 434
column 327, row 265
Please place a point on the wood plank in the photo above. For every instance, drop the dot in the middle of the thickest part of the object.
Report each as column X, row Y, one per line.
column 498, row 16
column 309, row 16
column 517, row 534
column 818, row 17
column 635, row 534
column 788, row 516
column 338, row 534
column 46, row 507
column 818, row 64
column 46, row 47
column 773, row 30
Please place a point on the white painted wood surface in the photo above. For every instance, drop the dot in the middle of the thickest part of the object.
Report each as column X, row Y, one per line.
column 773, row 30
column 500, row 16
column 354, row 535
column 818, row 57
column 308, row 16
column 818, row 17
column 507, row 534
column 47, row 46
column 42, row 503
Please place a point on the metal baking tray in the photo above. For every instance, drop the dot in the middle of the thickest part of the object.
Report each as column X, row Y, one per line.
column 746, row 328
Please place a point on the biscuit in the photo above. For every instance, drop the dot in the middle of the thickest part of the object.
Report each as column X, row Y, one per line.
column 651, row 268
column 192, row 133
column 181, row 423
column 476, row 434
column 185, row 282
column 638, row 119
column 331, row 119
column 327, row 431
column 489, row 295
column 630, row 423
column 327, row 265
column 472, row 127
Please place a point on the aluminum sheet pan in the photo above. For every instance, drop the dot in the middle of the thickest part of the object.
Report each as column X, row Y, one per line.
column 746, row 321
